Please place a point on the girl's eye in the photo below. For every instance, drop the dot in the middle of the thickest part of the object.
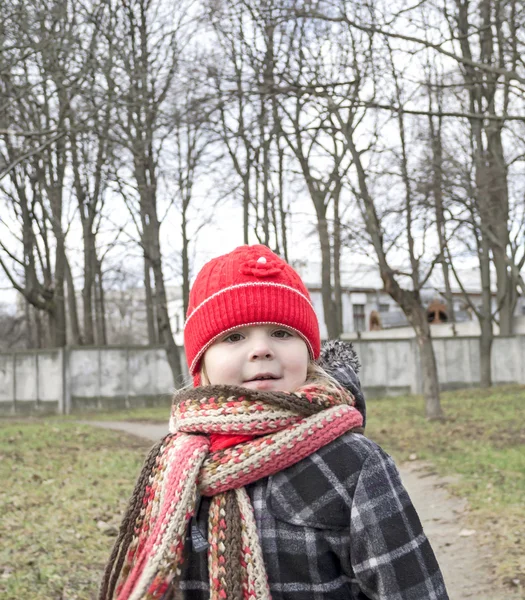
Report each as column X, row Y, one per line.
column 282, row 333
column 233, row 337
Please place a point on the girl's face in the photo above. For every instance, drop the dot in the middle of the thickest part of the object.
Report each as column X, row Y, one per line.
column 259, row 357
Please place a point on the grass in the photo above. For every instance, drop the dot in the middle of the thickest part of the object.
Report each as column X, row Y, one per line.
column 482, row 441
column 61, row 482
column 154, row 414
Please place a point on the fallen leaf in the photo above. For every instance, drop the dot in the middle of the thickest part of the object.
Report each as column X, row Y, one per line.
column 467, row 532
column 107, row 528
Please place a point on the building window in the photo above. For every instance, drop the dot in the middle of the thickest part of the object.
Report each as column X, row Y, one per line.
column 383, row 308
column 359, row 317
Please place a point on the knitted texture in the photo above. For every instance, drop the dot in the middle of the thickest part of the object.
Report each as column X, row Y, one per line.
column 249, row 286
column 285, row 428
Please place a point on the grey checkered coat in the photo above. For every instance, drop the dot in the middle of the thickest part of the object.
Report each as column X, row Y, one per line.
column 337, row 525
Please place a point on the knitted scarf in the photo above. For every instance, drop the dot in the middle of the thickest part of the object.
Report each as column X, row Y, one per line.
column 283, row 427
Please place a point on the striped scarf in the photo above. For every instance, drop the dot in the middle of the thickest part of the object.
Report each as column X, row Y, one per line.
column 283, row 427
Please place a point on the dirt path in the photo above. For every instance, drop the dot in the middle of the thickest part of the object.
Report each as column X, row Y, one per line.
column 463, row 560
column 464, row 563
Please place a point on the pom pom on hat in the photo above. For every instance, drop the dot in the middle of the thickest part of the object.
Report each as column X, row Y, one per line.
column 249, row 286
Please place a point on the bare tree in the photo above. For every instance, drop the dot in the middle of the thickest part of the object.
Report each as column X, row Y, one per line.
column 485, row 45
column 91, row 150
column 315, row 139
column 435, row 127
column 147, row 55
column 348, row 115
column 469, row 240
column 235, row 118
column 192, row 154
column 490, row 164
column 38, row 89
column 247, row 121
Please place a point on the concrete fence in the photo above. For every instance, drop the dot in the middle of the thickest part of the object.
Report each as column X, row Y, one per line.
column 394, row 367
column 70, row 380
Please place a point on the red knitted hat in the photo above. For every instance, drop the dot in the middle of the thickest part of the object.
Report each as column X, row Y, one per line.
column 249, row 286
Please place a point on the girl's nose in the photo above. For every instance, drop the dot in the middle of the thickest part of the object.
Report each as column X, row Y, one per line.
column 261, row 349
column 259, row 353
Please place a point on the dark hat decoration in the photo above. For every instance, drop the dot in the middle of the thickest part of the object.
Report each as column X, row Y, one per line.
column 339, row 359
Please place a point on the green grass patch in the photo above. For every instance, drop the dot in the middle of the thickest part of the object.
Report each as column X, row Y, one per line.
column 483, row 441
column 154, row 414
column 61, row 482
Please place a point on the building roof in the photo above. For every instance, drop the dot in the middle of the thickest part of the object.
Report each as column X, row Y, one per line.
column 365, row 277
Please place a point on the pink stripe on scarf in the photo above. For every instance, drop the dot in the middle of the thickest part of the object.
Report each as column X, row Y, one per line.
column 194, row 451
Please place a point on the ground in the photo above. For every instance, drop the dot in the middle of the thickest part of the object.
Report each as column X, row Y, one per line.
column 466, row 565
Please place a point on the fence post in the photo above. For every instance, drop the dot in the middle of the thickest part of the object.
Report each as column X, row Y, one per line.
column 37, row 382
column 521, row 353
column 65, row 401
column 14, row 382
column 417, row 386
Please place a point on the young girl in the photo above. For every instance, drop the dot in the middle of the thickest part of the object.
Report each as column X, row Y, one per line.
column 265, row 487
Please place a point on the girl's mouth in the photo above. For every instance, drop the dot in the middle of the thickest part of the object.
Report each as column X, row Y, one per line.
column 271, row 383
column 263, row 377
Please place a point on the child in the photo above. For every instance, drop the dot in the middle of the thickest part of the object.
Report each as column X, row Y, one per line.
column 266, row 488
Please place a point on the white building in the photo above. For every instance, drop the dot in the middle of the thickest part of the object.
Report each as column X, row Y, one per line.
column 363, row 293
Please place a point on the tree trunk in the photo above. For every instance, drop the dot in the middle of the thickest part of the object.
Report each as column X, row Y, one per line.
column 496, row 222
column 89, row 276
column 485, row 315
column 58, row 312
column 491, row 169
column 282, row 211
column 58, row 318
column 330, row 313
column 428, row 365
column 246, row 209
column 505, row 293
column 485, row 353
column 100, row 306
column 150, row 304
column 409, row 301
column 72, row 307
column 437, row 190
column 147, row 186
column 266, row 188
column 86, row 212
column 185, row 263
column 31, row 338
column 40, row 320
column 338, row 292
column 163, row 320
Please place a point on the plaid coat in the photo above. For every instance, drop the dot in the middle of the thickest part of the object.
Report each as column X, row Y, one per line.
column 337, row 525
